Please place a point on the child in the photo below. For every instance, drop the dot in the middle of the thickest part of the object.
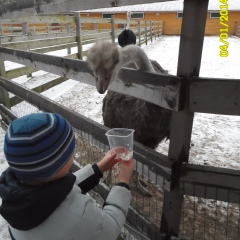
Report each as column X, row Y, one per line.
column 41, row 200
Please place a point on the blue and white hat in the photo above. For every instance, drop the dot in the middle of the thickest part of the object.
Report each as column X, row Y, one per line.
column 38, row 145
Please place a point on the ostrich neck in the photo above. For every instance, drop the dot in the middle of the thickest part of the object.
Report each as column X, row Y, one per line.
column 128, row 54
column 132, row 53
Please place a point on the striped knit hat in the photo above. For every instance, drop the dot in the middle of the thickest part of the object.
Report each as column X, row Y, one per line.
column 38, row 145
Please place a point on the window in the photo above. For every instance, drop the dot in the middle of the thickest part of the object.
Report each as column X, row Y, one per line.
column 179, row 14
column 214, row 15
column 107, row 15
column 137, row 15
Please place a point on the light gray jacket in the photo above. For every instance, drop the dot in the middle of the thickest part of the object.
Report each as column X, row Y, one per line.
column 78, row 218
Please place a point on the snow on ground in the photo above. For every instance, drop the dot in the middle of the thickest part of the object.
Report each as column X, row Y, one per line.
column 215, row 138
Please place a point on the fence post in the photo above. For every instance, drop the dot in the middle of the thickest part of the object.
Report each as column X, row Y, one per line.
column 68, row 31
column 158, row 28
column 1, row 30
column 25, row 28
column 68, row 27
column 113, row 29
column 139, row 33
column 146, row 40
column 4, row 95
column 189, row 61
column 151, row 30
column 155, row 35
column 79, row 35
column 48, row 28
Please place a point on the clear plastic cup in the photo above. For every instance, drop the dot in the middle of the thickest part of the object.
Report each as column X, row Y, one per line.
column 121, row 139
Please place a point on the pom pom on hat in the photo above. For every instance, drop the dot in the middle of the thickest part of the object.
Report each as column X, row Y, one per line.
column 38, row 145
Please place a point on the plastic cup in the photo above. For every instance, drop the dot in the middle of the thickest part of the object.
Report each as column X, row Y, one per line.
column 121, row 139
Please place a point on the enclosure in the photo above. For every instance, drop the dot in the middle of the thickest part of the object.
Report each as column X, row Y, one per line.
column 172, row 198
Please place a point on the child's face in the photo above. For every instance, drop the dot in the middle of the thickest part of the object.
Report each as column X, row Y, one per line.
column 64, row 170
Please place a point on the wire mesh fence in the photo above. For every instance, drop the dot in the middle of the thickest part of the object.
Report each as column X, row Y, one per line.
column 209, row 219
column 146, row 185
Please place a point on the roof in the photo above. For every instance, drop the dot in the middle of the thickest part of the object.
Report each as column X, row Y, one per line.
column 170, row 6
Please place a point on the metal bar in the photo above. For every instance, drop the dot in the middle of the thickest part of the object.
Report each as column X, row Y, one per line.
column 190, row 52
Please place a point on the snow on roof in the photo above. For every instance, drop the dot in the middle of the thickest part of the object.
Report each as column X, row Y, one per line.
column 170, row 6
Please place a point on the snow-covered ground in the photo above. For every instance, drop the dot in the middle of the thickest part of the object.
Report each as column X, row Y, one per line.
column 215, row 138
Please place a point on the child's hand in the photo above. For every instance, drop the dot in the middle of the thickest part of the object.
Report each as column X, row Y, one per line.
column 126, row 170
column 109, row 159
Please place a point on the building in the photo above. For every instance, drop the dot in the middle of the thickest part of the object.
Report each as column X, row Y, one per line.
column 171, row 13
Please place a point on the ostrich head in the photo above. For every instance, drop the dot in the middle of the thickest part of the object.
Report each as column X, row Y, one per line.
column 102, row 59
column 126, row 37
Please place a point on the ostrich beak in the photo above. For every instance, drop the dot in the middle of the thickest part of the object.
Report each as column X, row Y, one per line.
column 102, row 83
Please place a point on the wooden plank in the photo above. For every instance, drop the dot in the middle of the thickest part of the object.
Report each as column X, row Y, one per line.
column 17, row 72
column 41, row 19
column 18, row 38
column 210, row 182
column 211, row 176
column 39, row 43
column 54, row 48
column 210, row 192
column 16, row 100
column 162, row 90
column 7, row 112
column 189, row 61
column 218, row 96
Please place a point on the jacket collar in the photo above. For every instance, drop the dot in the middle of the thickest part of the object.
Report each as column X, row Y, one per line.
column 24, row 206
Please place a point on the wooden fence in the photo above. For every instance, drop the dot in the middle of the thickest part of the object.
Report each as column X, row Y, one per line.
column 186, row 94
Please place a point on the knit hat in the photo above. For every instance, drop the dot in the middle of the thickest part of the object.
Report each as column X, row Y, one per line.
column 38, row 145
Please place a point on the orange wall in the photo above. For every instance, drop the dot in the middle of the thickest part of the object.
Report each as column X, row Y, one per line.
column 172, row 24
column 213, row 25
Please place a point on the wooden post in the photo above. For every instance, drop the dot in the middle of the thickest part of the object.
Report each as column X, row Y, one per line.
column 158, row 27
column 68, row 31
column 113, row 28
column 25, row 28
column 68, row 27
column 151, row 30
column 4, row 96
column 79, row 35
column 48, row 28
column 189, row 61
column 1, row 30
column 146, row 40
column 139, row 33
column 155, row 32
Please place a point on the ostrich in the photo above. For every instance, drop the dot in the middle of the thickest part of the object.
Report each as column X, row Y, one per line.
column 151, row 122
